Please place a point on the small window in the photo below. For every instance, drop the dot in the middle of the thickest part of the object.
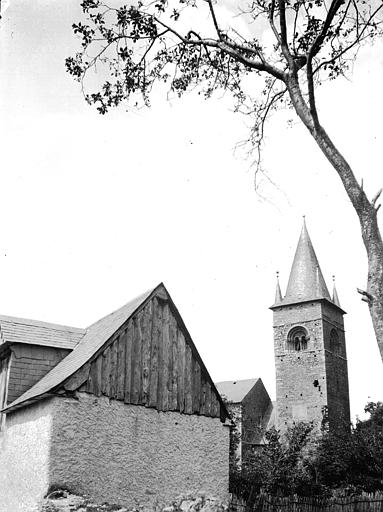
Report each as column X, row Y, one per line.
column 297, row 339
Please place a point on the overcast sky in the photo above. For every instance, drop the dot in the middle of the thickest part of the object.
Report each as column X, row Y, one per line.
column 95, row 210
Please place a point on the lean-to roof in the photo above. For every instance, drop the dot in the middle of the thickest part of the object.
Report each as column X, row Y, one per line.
column 95, row 336
column 34, row 332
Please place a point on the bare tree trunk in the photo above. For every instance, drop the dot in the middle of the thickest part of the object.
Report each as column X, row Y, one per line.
column 365, row 209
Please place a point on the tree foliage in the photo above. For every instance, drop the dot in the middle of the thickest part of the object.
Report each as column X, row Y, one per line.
column 152, row 41
column 307, row 462
column 280, row 467
column 273, row 53
column 234, row 445
column 353, row 459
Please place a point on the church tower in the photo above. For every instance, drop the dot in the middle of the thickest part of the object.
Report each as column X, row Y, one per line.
column 309, row 346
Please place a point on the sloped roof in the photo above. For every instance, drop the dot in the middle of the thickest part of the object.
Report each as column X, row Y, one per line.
column 235, row 390
column 335, row 297
column 306, row 280
column 33, row 332
column 278, row 293
column 96, row 335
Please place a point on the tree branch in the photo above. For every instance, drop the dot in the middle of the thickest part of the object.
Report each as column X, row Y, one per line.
column 311, row 92
column 348, row 48
column 366, row 297
column 375, row 198
column 272, row 24
column 269, row 105
column 282, row 22
column 245, row 48
column 212, row 12
column 317, row 44
column 284, row 43
column 230, row 48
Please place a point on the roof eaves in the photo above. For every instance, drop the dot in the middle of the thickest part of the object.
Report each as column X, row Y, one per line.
column 30, row 401
column 306, row 300
column 4, row 347
column 62, row 345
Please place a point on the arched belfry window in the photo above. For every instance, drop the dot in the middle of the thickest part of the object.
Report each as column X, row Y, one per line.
column 297, row 339
column 334, row 341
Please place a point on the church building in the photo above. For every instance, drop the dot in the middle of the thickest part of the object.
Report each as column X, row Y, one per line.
column 309, row 346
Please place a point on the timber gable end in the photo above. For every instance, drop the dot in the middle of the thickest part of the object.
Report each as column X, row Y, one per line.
column 151, row 361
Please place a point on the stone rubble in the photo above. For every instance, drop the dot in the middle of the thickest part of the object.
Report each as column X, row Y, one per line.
column 63, row 501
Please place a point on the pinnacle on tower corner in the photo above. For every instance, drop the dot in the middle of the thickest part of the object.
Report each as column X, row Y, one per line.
column 278, row 293
column 335, row 297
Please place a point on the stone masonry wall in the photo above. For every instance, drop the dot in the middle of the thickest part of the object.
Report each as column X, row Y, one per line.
column 336, row 369
column 24, row 457
column 301, row 386
column 29, row 363
column 133, row 455
column 310, row 380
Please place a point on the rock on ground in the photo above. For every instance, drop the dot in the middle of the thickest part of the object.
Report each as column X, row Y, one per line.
column 63, row 501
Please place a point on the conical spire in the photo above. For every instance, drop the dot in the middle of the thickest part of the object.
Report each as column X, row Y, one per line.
column 278, row 293
column 335, row 297
column 306, row 280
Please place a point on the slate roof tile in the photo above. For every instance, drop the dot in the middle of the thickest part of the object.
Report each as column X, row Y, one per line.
column 33, row 332
column 235, row 390
column 95, row 336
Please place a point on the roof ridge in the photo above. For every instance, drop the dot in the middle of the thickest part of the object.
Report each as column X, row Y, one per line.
column 238, row 380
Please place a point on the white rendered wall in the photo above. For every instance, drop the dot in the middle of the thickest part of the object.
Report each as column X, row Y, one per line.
column 24, row 457
column 133, row 455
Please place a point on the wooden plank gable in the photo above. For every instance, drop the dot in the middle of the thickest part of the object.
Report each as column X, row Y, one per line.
column 152, row 361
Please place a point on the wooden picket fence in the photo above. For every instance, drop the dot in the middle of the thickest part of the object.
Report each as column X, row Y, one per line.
column 266, row 503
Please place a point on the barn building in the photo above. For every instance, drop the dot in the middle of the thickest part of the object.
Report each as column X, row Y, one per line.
column 124, row 411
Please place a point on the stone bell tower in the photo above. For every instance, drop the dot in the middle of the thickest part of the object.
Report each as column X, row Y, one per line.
column 309, row 346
